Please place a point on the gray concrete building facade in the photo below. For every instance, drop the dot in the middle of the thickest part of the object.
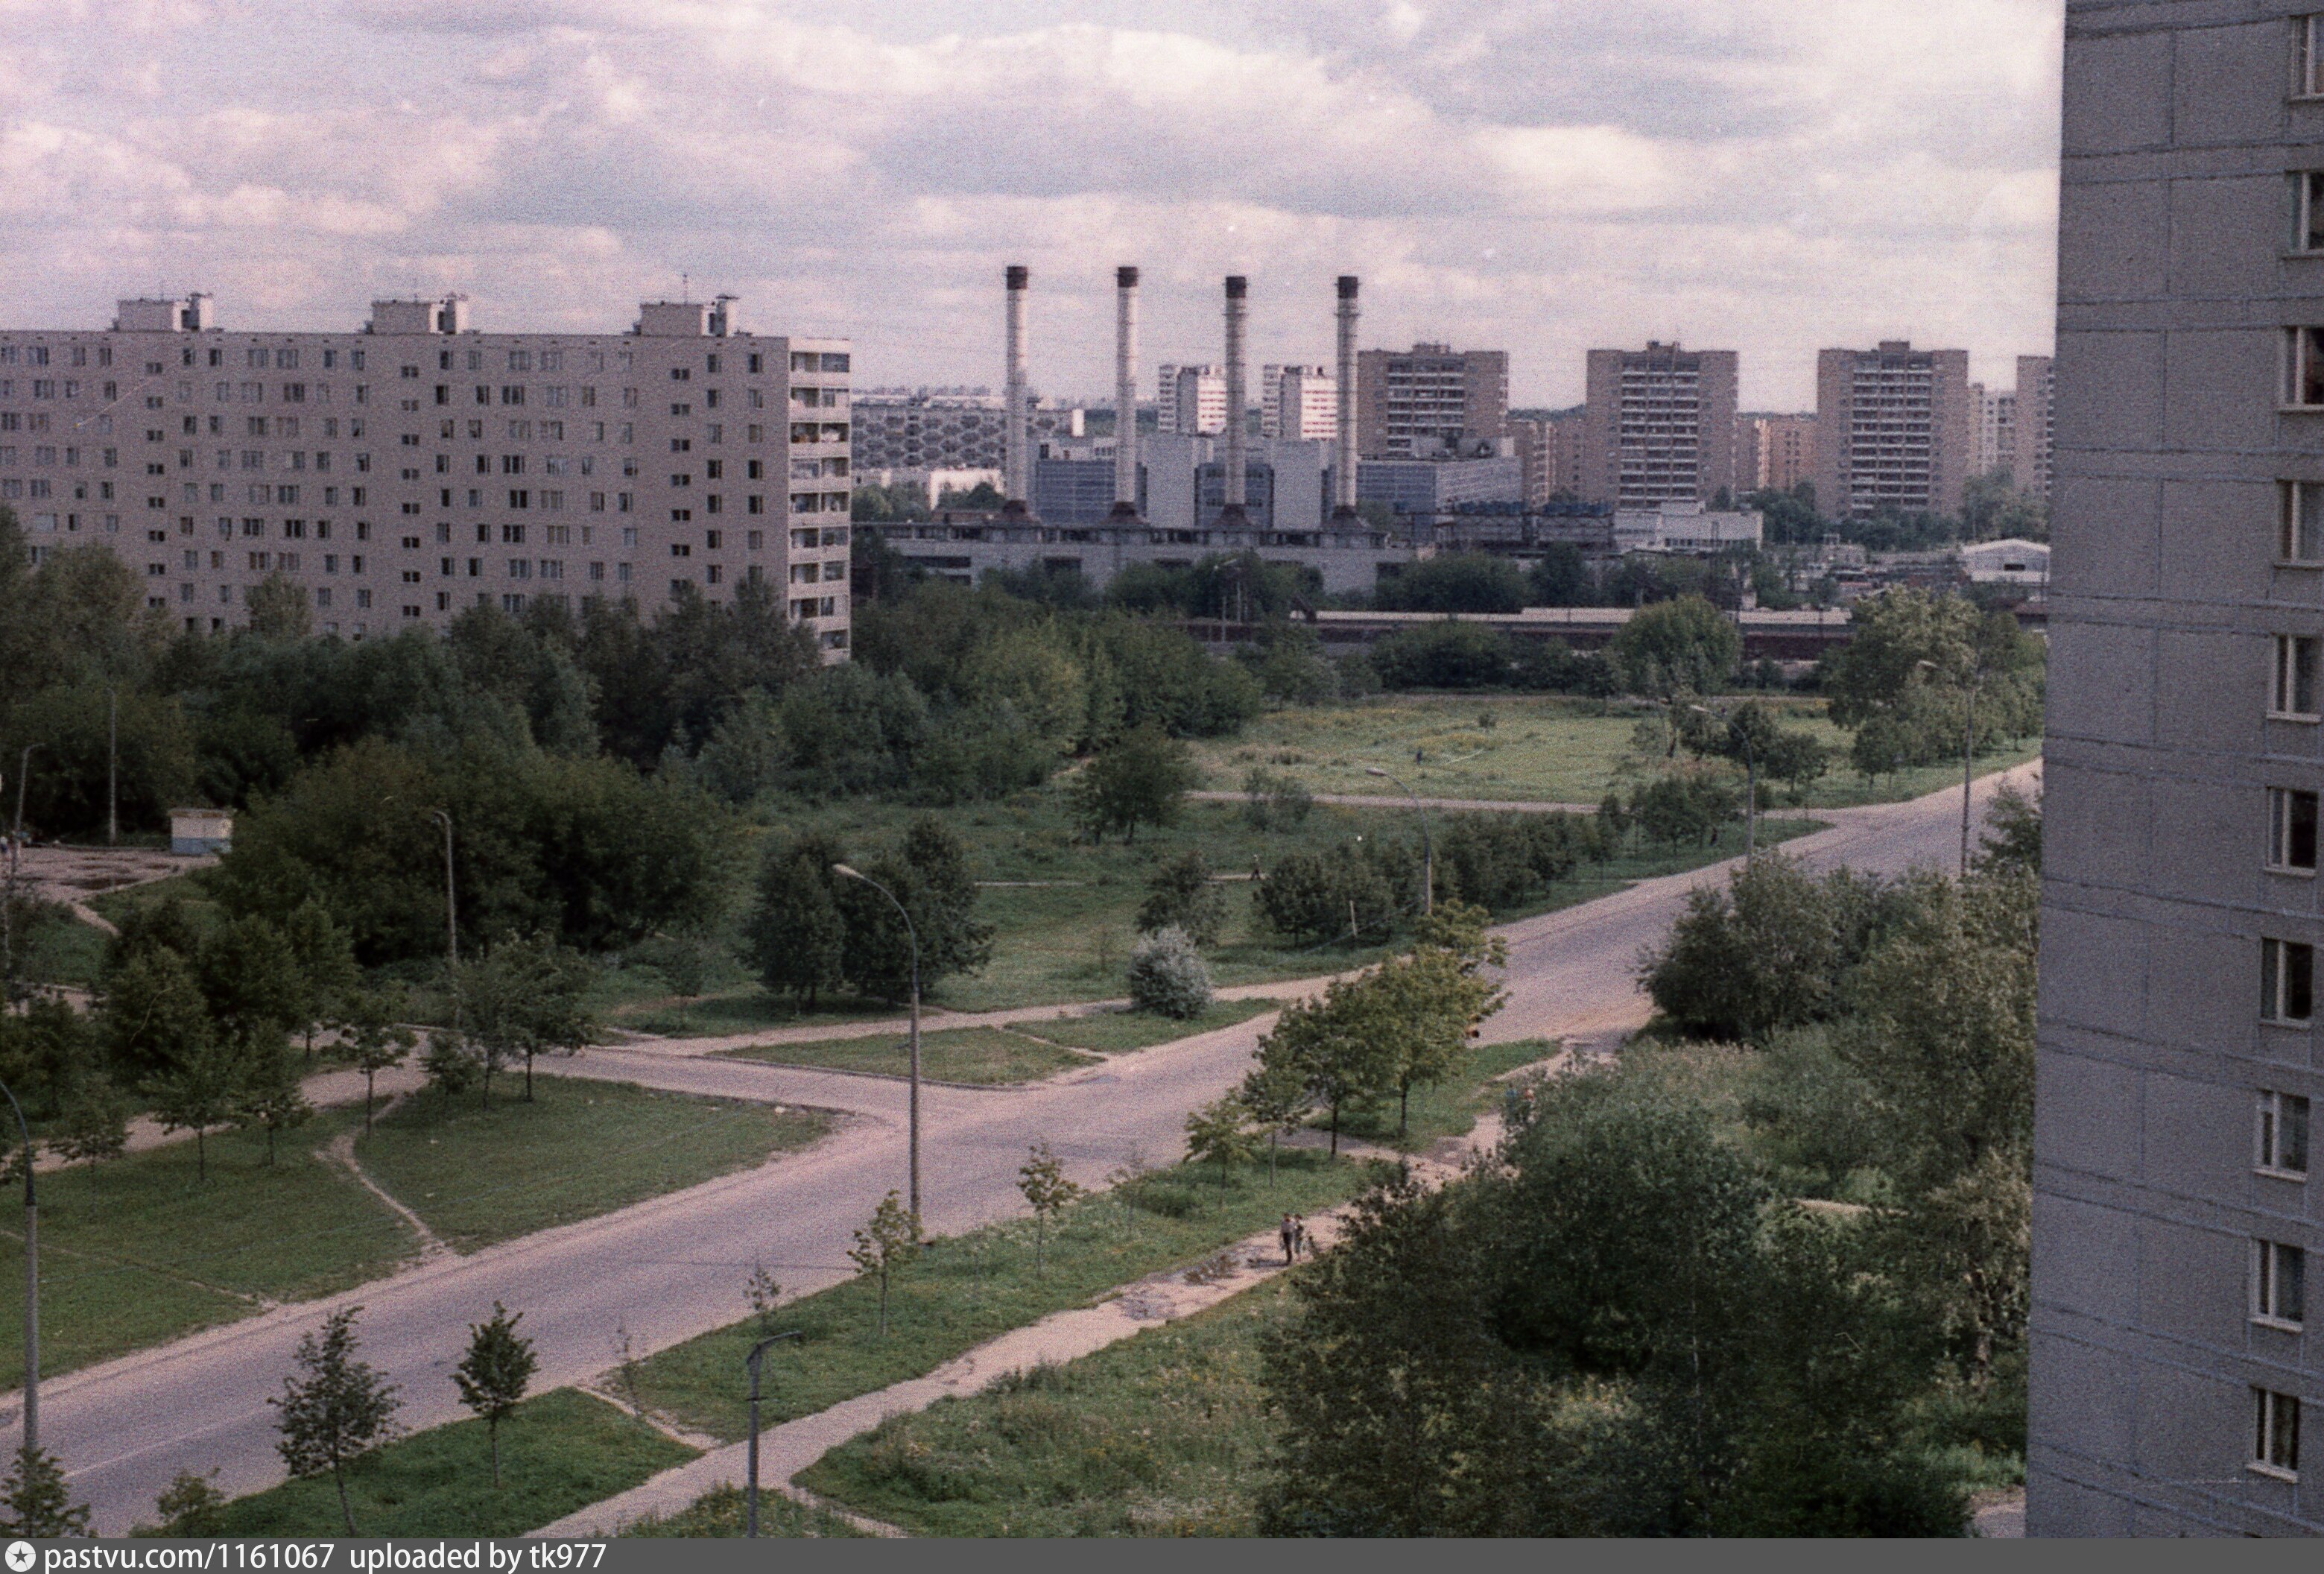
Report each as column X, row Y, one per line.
column 2174, row 1389
column 1659, row 426
column 408, row 471
column 1896, row 430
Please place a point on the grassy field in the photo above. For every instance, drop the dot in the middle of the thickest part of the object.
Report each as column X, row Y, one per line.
column 142, row 1251
column 1558, row 751
column 720, row 1514
column 986, row 1055
column 1166, row 1434
column 1115, row 1032
column 968, row 1289
column 582, row 1148
column 560, row 1451
column 1069, row 940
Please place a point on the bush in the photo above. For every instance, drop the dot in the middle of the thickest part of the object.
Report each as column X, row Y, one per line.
column 1444, row 656
column 1165, row 1199
column 1503, row 860
column 1274, row 802
column 1317, row 896
column 1167, row 977
column 1181, row 895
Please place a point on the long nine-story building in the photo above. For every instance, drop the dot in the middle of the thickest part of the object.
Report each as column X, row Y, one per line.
column 418, row 467
column 2176, row 1205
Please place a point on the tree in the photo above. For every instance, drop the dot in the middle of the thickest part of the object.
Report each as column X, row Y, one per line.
column 375, row 1040
column 1168, row 976
column 1141, row 780
column 684, row 961
column 450, row 1064
column 333, row 1407
column 1278, row 1100
column 1749, row 736
column 250, row 976
column 1219, row 1134
column 494, row 1373
column 1046, row 1191
column 1180, row 893
column 524, row 998
column 323, row 958
column 153, row 1015
column 889, row 1240
column 1562, row 578
column 95, row 1127
column 280, row 609
column 1444, row 656
column 1424, row 1008
column 268, row 1095
column 1330, row 1047
column 199, row 1091
column 929, row 876
column 1455, row 582
column 1677, row 647
column 1769, row 953
column 764, row 1293
column 35, row 1503
column 191, row 1506
column 2013, row 839
column 794, row 937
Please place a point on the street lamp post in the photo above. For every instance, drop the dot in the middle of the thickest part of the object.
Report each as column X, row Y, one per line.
column 1427, row 842
column 23, row 770
column 1750, row 781
column 32, row 1283
column 750, row 1497
column 1969, row 691
column 914, row 936
column 451, row 908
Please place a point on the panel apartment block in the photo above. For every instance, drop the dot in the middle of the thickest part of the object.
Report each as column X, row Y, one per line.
column 1658, row 426
column 1896, row 430
column 1431, row 401
column 404, row 473
column 2174, row 1388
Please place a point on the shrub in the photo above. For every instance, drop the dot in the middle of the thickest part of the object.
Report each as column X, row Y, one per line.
column 1274, row 802
column 1181, row 895
column 1167, row 976
column 1319, row 896
column 1164, row 1199
column 1444, row 656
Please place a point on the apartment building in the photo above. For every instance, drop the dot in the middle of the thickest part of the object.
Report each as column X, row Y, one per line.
column 1431, row 401
column 921, row 430
column 2034, row 424
column 1298, row 404
column 1774, row 452
column 417, row 467
column 2174, row 1388
column 1659, row 426
column 1993, row 416
column 1191, row 401
column 1894, row 429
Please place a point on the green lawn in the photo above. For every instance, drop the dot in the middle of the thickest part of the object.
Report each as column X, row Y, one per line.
column 142, row 1251
column 1069, row 940
column 972, row 1288
column 1559, row 751
column 1114, row 1031
column 560, row 1451
column 1449, row 1107
column 720, row 1514
column 60, row 949
column 957, row 1054
column 582, row 1148
column 1166, row 1434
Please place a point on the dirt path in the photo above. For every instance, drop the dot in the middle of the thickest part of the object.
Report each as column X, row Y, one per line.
column 341, row 1150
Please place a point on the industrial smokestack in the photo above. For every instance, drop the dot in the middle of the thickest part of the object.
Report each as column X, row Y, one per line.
column 1125, row 391
column 1016, row 465
column 1236, row 286
column 1343, row 462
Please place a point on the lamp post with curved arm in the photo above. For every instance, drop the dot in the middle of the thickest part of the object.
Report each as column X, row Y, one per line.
column 1427, row 842
column 914, row 936
column 32, row 1283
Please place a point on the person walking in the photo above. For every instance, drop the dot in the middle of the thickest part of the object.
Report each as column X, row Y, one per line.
column 1299, row 1241
column 1289, row 1236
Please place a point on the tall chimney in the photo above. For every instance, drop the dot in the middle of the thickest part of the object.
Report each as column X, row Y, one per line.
column 1125, row 391
column 1017, row 469
column 1343, row 462
column 1236, row 286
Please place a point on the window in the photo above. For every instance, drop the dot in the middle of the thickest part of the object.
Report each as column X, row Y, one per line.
column 2308, row 81
column 2281, row 1148
column 2275, row 1449
column 2292, row 831
column 2287, row 982
column 2308, row 210
column 2304, row 368
column 2294, row 687
column 2279, row 1285
column 2300, row 537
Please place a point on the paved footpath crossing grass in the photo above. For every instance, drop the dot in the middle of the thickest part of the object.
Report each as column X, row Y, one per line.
column 991, row 1055
column 1116, row 1032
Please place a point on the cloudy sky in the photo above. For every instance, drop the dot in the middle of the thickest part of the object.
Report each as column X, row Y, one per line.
column 1765, row 175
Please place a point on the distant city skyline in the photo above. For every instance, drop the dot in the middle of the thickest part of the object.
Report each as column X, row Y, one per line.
column 1543, row 179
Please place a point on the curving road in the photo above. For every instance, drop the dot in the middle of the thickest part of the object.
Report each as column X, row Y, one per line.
column 672, row 1268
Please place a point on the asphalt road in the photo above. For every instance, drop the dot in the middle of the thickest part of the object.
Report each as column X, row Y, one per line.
column 672, row 1268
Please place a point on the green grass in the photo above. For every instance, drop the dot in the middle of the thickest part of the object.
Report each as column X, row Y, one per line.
column 188, row 888
column 141, row 1251
column 1165, row 1434
column 60, row 949
column 1451, row 1108
column 1559, row 751
column 582, row 1148
column 560, row 1451
column 972, row 1288
column 1115, row 1032
column 720, row 1514
column 958, row 1054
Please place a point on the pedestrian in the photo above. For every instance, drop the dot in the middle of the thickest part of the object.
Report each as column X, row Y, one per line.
column 1299, row 1241
column 1289, row 1238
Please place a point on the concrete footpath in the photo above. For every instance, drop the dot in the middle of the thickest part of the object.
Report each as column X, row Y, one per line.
column 1161, row 1298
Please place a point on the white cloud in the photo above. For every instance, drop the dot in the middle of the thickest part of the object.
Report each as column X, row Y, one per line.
column 1540, row 175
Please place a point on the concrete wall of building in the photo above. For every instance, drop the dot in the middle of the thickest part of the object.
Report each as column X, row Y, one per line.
column 2166, row 594
column 1658, row 424
column 404, row 473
